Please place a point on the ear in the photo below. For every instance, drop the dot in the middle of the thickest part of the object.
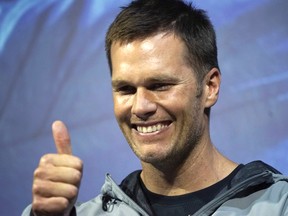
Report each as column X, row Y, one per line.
column 212, row 87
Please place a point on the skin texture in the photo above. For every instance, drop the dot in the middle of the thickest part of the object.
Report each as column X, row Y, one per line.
column 57, row 178
column 152, row 85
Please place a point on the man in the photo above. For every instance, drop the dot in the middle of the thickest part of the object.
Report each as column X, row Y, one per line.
column 165, row 79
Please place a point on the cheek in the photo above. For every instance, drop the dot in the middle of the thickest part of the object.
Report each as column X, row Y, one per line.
column 178, row 102
column 121, row 108
column 116, row 112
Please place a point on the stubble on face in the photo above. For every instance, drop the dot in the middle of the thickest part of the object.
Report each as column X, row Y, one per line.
column 184, row 110
column 178, row 150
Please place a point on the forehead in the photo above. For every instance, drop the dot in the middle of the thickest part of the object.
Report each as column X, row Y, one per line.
column 159, row 57
column 154, row 43
column 160, row 50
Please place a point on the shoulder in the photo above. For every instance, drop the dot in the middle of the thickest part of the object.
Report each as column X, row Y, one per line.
column 265, row 192
column 112, row 200
column 269, row 201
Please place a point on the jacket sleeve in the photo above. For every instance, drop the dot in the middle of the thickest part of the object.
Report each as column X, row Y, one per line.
column 27, row 211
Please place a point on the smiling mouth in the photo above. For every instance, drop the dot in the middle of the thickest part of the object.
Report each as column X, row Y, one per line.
column 151, row 128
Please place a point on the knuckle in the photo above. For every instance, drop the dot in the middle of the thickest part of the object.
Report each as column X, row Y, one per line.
column 38, row 173
column 36, row 204
column 79, row 164
column 73, row 192
column 54, row 206
column 45, row 159
column 37, row 188
column 77, row 176
column 63, row 203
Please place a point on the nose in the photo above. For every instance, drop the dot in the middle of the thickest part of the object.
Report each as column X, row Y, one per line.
column 144, row 104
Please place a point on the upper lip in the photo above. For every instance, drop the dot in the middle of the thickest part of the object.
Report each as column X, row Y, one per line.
column 150, row 123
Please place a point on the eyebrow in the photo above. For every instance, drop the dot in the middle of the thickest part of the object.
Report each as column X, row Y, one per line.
column 117, row 83
column 160, row 79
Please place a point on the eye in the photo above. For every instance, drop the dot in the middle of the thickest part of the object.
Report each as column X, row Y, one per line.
column 160, row 86
column 125, row 90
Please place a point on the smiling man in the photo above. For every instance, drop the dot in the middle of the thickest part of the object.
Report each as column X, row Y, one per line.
column 160, row 107
column 165, row 79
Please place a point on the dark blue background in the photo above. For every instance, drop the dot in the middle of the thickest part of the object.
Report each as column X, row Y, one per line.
column 53, row 66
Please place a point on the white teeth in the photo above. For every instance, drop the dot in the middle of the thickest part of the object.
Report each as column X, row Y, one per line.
column 158, row 127
column 150, row 129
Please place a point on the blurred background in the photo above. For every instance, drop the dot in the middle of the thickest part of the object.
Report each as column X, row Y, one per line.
column 53, row 66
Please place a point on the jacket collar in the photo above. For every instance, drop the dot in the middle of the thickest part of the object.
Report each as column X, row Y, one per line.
column 132, row 187
column 131, row 192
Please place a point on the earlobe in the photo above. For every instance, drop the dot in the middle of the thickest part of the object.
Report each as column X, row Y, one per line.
column 212, row 87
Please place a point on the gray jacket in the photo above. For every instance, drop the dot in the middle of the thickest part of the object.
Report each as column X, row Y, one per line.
column 256, row 189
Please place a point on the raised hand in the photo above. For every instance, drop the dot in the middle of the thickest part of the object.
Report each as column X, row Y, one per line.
column 57, row 177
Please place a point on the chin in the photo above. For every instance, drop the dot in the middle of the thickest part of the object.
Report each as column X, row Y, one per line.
column 151, row 159
column 154, row 158
column 152, row 153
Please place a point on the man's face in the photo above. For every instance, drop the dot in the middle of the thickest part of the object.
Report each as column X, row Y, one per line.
column 156, row 102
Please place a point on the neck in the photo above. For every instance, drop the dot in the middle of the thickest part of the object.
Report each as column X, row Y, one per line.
column 204, row 167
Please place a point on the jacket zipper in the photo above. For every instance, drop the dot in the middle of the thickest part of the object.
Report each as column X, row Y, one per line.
column 132, row 203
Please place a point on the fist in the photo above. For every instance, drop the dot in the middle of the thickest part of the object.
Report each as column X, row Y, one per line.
column 57, row 178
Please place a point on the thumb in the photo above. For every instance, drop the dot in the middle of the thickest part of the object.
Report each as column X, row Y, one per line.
column 61, row 138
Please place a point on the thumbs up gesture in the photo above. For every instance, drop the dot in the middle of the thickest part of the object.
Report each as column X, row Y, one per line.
column 57, row 177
